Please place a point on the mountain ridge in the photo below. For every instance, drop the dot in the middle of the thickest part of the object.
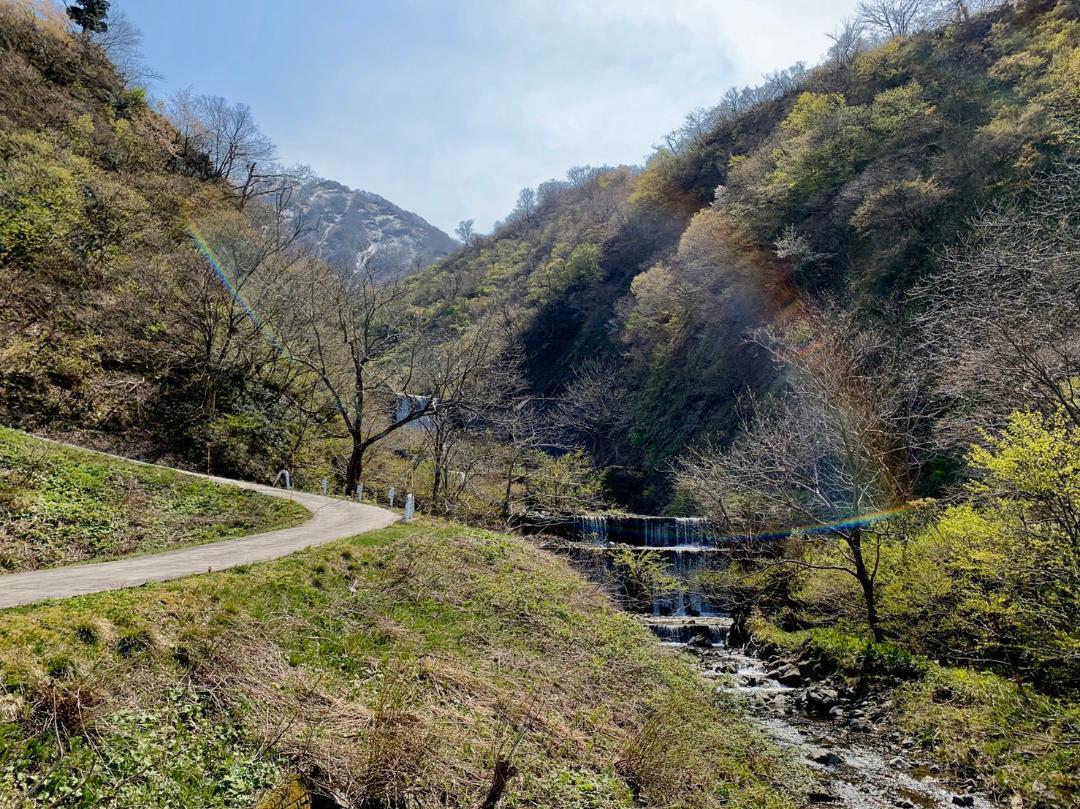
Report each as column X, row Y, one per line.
column 355, row 228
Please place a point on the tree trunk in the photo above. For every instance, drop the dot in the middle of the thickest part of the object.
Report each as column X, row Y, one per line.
column 210, row 408
column 866, row 582
column 436, row 479
column 355, row 468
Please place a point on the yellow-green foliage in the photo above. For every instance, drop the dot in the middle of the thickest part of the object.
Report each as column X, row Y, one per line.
column 1023, row 744
column 564, row 270
column 60, row 506
column 564, row 483
column 111, row 318
column 999, row 576
column 394, row 663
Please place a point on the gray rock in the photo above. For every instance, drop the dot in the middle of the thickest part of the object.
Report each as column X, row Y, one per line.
column 963, row 800
column 787, row 674
column 829, row 759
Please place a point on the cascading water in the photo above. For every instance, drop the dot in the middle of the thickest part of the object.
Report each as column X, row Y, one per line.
column 593, row 529
column 687, row 545
column 653, row 532
column 855, row 769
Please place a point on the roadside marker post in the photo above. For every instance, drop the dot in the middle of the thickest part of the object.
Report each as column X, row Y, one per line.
column 392, row 494
column 410, row 507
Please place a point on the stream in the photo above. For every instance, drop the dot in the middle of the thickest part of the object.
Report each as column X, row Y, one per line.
column 858, row 760
column 858, row 764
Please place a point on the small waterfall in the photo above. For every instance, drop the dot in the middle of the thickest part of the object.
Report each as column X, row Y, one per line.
column 685, row 563
column 688, row 546
column 593, row 529
column 686, row 630
column 650, row 532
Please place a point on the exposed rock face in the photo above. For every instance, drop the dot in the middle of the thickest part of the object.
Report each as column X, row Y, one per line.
column 352, row 229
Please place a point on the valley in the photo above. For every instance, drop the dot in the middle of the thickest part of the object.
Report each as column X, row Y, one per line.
column 745, row 474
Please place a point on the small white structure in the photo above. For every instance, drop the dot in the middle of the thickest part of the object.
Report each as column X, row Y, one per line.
column 410, row 507
column 408, row 404
column 325, row 486
column 391, row 495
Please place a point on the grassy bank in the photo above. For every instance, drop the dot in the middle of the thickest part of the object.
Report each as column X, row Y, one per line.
column 1023, row 744
column 400, row 664
column 61, row 506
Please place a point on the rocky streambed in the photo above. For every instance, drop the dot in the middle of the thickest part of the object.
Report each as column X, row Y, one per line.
column 842, row 734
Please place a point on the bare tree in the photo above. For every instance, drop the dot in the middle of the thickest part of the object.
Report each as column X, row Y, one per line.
column 232, row 279
column 526, row 206
column 848, row 42
column 525, row 428
column 598, row 405
column 357, row 337
column 959, row 11
column 473, row 378
column 893, row 18
column 1002, row 316
column 122, row 43
column 221, row 141
column 838, row 446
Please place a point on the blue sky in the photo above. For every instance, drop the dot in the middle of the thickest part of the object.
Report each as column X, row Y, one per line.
column 449, row 107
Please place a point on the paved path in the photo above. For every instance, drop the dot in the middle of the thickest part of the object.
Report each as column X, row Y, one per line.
column 331, row 519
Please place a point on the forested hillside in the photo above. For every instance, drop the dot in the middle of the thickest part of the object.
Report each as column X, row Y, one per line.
column 835, row 318
column 849, row 182
column 152, row 255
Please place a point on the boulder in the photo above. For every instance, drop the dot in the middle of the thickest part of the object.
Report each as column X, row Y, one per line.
column 700, row 641
column 828, row 758
column 819, row 701
column 963, row 800
column 787, row 674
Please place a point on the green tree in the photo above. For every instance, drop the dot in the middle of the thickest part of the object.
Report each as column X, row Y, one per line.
column 997, row 578
column 90, row 15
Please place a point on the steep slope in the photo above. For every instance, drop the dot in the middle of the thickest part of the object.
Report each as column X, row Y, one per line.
column 418, row 661
column 60, row 506
column 850, row 184
column 353, row 229
column 118, row 320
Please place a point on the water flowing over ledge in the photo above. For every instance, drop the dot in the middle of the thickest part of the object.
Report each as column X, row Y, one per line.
column 630, row 529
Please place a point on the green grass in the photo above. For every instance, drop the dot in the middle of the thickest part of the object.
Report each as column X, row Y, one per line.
column 1019, row 741
column 400, row 662
column 62, row 506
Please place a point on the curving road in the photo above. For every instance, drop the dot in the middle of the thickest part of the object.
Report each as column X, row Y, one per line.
column 331, row 519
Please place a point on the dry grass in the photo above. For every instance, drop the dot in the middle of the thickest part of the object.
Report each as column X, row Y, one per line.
column 427, row 666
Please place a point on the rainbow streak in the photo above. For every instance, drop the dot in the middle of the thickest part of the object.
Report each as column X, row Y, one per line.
column 208, row 253
column 845, row 523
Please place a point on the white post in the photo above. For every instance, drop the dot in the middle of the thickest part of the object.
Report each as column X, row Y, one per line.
column 325, row 486
column 359, row 492
column 392, row 494
column 410, row 507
